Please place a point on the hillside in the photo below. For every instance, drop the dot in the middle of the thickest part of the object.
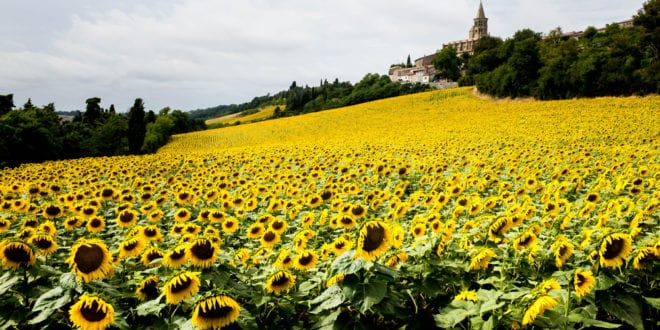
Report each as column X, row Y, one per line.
column 244, row 116
column 435, row 209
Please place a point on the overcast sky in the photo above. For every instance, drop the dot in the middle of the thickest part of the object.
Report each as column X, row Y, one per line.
column 190, row 54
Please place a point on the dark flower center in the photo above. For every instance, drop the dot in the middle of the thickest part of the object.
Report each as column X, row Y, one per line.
column 614, row 249
column 374, row 238
column 269, row 236
column 202, row 250
column 216, row 312
column 43, row 243
column 179, row 287
column 89, row 258
column 280, row 280
column 306, row 259
column 93, row 312
column 17, row 253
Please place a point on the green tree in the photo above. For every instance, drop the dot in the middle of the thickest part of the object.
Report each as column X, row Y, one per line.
column 447, row 64
column 648, row 20
column 93, row 111
column 558, row 55
column 136, row 127
column 6, row 103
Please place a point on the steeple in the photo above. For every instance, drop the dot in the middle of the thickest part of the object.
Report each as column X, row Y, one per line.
column 480, row 13
column 480, row 27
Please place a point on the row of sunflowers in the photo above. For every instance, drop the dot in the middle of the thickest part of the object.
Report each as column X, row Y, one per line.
column 438, row 209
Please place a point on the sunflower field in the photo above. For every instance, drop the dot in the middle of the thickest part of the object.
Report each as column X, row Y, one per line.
column 433, row 210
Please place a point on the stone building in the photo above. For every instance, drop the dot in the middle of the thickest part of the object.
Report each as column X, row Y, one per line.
column 479, row 29
column 423, row 70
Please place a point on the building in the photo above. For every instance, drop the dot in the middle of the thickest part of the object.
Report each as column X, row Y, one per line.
column 423, row 70
column 479, row 30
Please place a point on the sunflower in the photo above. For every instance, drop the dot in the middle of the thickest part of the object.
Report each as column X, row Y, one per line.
column 127, row 218
column 52, row 211
column 243, row 255
column 73, row 222
column 91, row 312
column 90, row 260
column 181, row 286
column 255, row 230
column 151, row 233
column 280, row 281
column 182, row 215
column 192, row 229
column 644, row 258
column 614, row 249
column 269, row 238
column 538, row 307
column 583, row 282
column 45, row 244
column 562, row 249
column 175, row 257
column 16, row 254
column 395, row 260
column 278, row 225
column 5, row 224
column 177, row 229
column 131, row 247
column 375, row 238
column 283, row 259
column 524, row 240
column 467, row 295
column 216, row 216
column 155, row 215
column 305, row 260
column 230, row 225
column 202, row 252
column 150, row 256
column 336, row 279
column 498, row 227
column 148, row 288
column 418, row 230
column 481, row 259
column 215, row 312
column 96, row 224
column 546, row 286
column 341, row 245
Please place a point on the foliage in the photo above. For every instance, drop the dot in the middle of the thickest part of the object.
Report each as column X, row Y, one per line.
column 447, row 64
column 614, row 61
column 36, row 134
column 491, row 214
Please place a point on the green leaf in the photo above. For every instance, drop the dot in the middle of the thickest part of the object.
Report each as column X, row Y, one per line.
column 450, row 318
column 601, row 324
column 47, row 298
column 7, row 282
column 374, row 293
column 655, row 302
column 624, row 307
column 151, row 307
column 49, row 302
column 513, row 295
column 328, row 322
column 489, row 324
column 328, row 299
column 68, row 281
column 383, row 270
column 346, row 264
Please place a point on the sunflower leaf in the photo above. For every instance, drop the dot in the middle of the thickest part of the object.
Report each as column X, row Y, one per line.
column 7, row 282
column 624, row 307
column 328, row 322
column 655, row 302
column 346, row 264
column 448, row 318
column 328, row 299
column 374, row 293
column 151, row 307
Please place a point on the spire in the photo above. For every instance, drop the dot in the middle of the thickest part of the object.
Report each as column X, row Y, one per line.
column 480, row 13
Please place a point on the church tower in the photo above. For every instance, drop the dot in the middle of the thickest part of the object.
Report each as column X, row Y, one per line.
column 480, row 27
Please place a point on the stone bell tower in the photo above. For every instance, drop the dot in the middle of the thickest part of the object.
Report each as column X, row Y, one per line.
column 480, row 27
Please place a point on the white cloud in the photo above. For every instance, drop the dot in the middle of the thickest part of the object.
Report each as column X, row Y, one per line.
column 199, row 53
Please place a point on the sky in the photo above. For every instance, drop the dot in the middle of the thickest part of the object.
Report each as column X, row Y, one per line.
column 192, row 54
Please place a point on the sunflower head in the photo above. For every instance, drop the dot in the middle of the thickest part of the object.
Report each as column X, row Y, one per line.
column 148, row 288
column 90, row 260
column 375, row 238
column 583, row 281
column 181, row 286
column 279, row 282
column 202, row 252
column 44, row 243
column 307, row 259
column 91, row 312
column 614, row 249
column 16, row 254
column 216, row 311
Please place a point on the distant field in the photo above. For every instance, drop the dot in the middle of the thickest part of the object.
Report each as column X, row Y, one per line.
column 436, row 209
column 263, row 113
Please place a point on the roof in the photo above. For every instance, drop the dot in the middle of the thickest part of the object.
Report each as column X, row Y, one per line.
column 480, row 13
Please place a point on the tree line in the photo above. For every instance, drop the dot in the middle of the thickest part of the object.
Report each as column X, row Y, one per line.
column 34, row 134
column 303, row 99
column 613, row 61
